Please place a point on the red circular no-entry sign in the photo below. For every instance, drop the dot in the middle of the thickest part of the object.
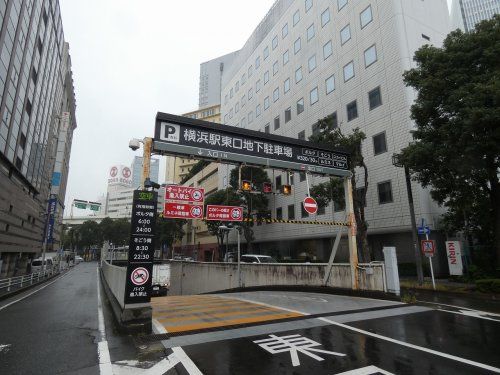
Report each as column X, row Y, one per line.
column 310, row 205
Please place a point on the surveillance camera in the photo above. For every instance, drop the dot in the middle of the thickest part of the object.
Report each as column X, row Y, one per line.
column 134, row 144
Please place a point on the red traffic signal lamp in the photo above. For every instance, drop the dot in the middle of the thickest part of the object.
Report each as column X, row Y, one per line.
column 267, row 188
column 246, row 185
column 286, row 189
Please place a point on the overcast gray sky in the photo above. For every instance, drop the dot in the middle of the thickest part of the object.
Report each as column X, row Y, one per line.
column 133, row 58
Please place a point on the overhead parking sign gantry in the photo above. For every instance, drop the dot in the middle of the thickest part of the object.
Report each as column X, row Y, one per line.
column 176, row 135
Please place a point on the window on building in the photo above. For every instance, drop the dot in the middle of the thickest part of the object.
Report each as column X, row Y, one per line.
column 298, row 75
column 28, row 107
column 250, row 71
column 370, row 56
column 286, row 57
column 366, row 16
column 296, row 17
column 257, row 86
column 379, row 144
column 345, row 34
column 257, row 62
column 296, row 46
column 274, row 42
column 325, row 17
column 266, row 53
column 330, row 84
column 302, row 135
column 243, row 101
column 310, row 32
column 243, row 122
column 275, row 68
column 266, row 77
column 250, row 117
column 237, row 107
column 284, row 30
column 243, row 78
column 250, row 93
column 348, row 71
column 257, row 110
column 278, row 182
column 237, row 86
column 311, row 63
column 375, row 98
column 300, row 105
column 276, row 123
column 352, row 110
column 384, row 192
column 341, row 3
column 279, row 213
column 327, row 50
column 266, row 128
column 266, row 103
column 308, row 4
column 276, row 94
column 291, row 212
column 286, row 85
column 313, row 95
column 288, row 114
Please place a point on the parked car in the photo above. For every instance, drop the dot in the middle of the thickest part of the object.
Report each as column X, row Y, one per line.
column 78, row 259
column 256, row 258
column 36, row 264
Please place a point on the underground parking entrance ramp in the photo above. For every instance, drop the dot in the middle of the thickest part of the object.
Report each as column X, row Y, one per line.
column 197, row 313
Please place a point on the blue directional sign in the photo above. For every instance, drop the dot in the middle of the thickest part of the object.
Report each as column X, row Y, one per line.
column 424, row 230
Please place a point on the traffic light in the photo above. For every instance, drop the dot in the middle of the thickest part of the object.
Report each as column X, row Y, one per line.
column 267, row 188
column 286, row 189
column 246, row 185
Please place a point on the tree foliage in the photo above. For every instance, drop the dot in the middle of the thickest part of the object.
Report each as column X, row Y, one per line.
column 168, row 231
column 333, row 190
column 456, row 147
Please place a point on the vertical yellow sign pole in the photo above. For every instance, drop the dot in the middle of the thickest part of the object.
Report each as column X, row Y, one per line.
column 147, row 144
column 351, row 235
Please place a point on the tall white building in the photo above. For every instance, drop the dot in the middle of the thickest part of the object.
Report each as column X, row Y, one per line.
column 465, row 14
column 313, row 58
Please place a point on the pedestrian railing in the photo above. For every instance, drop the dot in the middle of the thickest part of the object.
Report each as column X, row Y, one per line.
column 6, row 285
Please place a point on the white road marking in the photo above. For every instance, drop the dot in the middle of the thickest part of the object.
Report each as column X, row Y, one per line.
column 368, row 370
column 105, row 367
column 472, row 313
column 417, row 347
column 181, row 355
column 30, row 294
column 462, row 308
column 4, row 347
column 158, row 369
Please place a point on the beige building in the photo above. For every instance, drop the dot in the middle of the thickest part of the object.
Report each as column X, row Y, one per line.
column 178, row 167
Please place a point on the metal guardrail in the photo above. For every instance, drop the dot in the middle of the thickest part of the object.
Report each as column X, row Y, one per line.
column 24, row 280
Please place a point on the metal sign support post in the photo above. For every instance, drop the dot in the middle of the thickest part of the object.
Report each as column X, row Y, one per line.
column 351, row 234
column 147, row 144
column 430, row 263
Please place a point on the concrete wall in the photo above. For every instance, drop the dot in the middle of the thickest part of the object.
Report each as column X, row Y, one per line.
column 194, row 278
column 115, row 278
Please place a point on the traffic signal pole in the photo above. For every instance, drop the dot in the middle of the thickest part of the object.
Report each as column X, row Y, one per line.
column 351, row 234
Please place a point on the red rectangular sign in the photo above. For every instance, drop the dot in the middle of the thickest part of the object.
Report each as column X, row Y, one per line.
column 182, row 211
column 428, row 247
column 224, row 213
column 184, row 194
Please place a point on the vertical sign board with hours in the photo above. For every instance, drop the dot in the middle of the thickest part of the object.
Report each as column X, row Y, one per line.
column 141, row 247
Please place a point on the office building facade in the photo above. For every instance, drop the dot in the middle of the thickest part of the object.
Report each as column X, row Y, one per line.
column 465, row 14
column 35, row 91
column 211, row 77
column 137, row 170
column 345, row 58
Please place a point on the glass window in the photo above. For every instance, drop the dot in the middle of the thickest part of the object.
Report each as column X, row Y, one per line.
column 274, row 42
column 250, row 117
column 300, row 105
column 311, row 63
column 266, row 53
column 291, row 212
column 298, row 75
column 257, row 86
column 257, row 62
column 315, row 129
column 366, row 16
column 286, row 57
column 243, row 78
column 375, row 98
column 275, row 68
column 276, row 122
column 243, row 101
column 310, row 32
column 384, row 192
column 266, row 102
column 325, row 17
column 379, row 144
column 348, row 71
column 352, row 110
column 308, row 4
column 341, row 3
column 296, row 46
column 279, row 213
column 276, row 94
column 327, row 50
column 250, row 93
column 370, row 56
column 330, row 84
column 237, row 86
column 288, row 114
column 278, row 182
column 286, row 85
column 345, row 34
column 296, row 17
column 257, row 110
column 302, row 135
column 231, row 93
column 313, row 95
column 284, row 30
column 236, row 107
column 250, row 71
column 266, row 77
column 266, row 128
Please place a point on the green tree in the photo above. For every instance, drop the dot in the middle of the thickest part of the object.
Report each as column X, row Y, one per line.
column 456, row 147
column 120, row 232
column 333, row 190
column 89, row 234
column 168, row 231
column 226, row 197
column 254, row 204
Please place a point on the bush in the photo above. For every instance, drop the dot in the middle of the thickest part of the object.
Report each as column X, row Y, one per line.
column 488, row 285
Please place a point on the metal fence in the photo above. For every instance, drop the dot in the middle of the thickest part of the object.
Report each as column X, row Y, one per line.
column 12, row 283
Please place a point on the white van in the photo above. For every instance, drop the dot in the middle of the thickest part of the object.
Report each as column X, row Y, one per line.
column 36, row 264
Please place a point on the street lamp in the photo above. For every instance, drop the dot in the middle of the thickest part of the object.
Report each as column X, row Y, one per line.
column 228, row 229
column 396, row 161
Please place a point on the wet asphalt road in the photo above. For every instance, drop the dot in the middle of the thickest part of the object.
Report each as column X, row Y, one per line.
column 55, row 330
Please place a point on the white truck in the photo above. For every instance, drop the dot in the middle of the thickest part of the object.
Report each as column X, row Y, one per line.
column 161, row 279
